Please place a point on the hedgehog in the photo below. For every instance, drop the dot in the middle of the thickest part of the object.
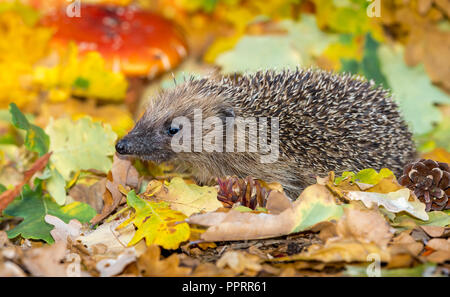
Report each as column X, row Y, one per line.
column 321, row 121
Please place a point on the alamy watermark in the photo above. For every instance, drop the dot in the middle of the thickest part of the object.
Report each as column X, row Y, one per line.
column 374, row 8
column 73, row 269
column 374, row 268
column 73, row 9
column 215, row 134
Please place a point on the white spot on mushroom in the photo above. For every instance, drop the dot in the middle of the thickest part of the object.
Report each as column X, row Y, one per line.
column 116, row 64
column 87, row 46
column 163, row 57
column 125, row 25
column 181, row 50
column 151, row 74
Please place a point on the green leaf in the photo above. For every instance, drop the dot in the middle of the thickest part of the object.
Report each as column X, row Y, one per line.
column 35, row 140
column 435, row 218
column 56, row 187
column 344, row 16
column 315, row 206
column 370, row 64
column 80, row 145
column 302, row 43
column 81, row 83
column 438, row 137
column 366, row 176
column 412, row 89
column 32, row 206
column 350, row 66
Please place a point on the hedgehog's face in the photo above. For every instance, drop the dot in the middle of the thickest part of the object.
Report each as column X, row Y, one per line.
column 164, row 125
column 148, row 142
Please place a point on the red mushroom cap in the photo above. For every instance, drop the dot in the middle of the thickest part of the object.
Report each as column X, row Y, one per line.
column 136, row 42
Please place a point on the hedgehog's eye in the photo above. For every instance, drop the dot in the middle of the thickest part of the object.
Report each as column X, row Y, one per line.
column 172, row 131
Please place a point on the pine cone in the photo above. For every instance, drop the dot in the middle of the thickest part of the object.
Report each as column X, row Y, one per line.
column 248, row 192
column 429, row 180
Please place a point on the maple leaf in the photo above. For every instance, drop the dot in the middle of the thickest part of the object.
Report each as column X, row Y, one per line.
column 33, row 206
column 156, row 222
column 79, row 145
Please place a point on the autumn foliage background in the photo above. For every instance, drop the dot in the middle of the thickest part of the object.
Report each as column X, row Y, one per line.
column 63, row 105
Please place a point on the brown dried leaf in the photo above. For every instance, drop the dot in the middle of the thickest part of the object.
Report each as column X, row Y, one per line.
column 92, row 195
column 365, row 226
column 436, row 231
column 439, row 244
column 240, row 261
column 122, row 173
column 150, row 264
column 46, row 261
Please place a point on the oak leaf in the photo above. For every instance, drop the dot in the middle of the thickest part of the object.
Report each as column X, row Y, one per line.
column 156, row 222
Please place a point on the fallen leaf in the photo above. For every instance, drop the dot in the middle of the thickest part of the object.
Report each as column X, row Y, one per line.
column 189, row 198
column 10, row 269
column 156, row 222
column 339, row 251
column 395, row 202
column 46, row 261
column 439, row 257
column 405, row 243
column 92, row 195
column 122, row 174
column 150, row 264
column 80, row 145
column 111, row 267
column 8, row 196
column 439, row 244
column 239, row 261
column 33, row 206
column 62, row 231
column 105, row 242
column 436, row 231
column 436, row 218
column 314, row 205
column 36, row 140
column 365, row 226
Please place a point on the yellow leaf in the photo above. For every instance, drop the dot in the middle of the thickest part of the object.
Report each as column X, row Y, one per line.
column 16, row 58
column 191, row 198
column 87, row 76
column 157, row 223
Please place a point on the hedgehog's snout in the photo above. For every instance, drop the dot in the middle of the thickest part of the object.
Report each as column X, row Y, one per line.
column 123, row 147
